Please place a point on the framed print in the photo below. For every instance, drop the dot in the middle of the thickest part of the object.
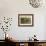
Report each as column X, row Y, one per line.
column 25, row 20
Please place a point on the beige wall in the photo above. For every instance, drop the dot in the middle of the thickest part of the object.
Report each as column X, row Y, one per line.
column 11, row 8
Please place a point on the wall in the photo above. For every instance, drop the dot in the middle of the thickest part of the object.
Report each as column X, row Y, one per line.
column 11, row 8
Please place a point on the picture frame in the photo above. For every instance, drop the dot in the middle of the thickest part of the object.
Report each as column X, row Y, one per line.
column 25, row 20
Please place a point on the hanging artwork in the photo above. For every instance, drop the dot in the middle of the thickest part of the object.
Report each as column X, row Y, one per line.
column 36, row 3
column 25, row 20
column 6, row 24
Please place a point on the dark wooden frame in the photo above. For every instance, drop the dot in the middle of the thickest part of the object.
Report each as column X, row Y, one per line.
column 26, row 15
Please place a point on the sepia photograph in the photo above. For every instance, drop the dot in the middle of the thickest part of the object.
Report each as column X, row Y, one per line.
column 25, row 19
